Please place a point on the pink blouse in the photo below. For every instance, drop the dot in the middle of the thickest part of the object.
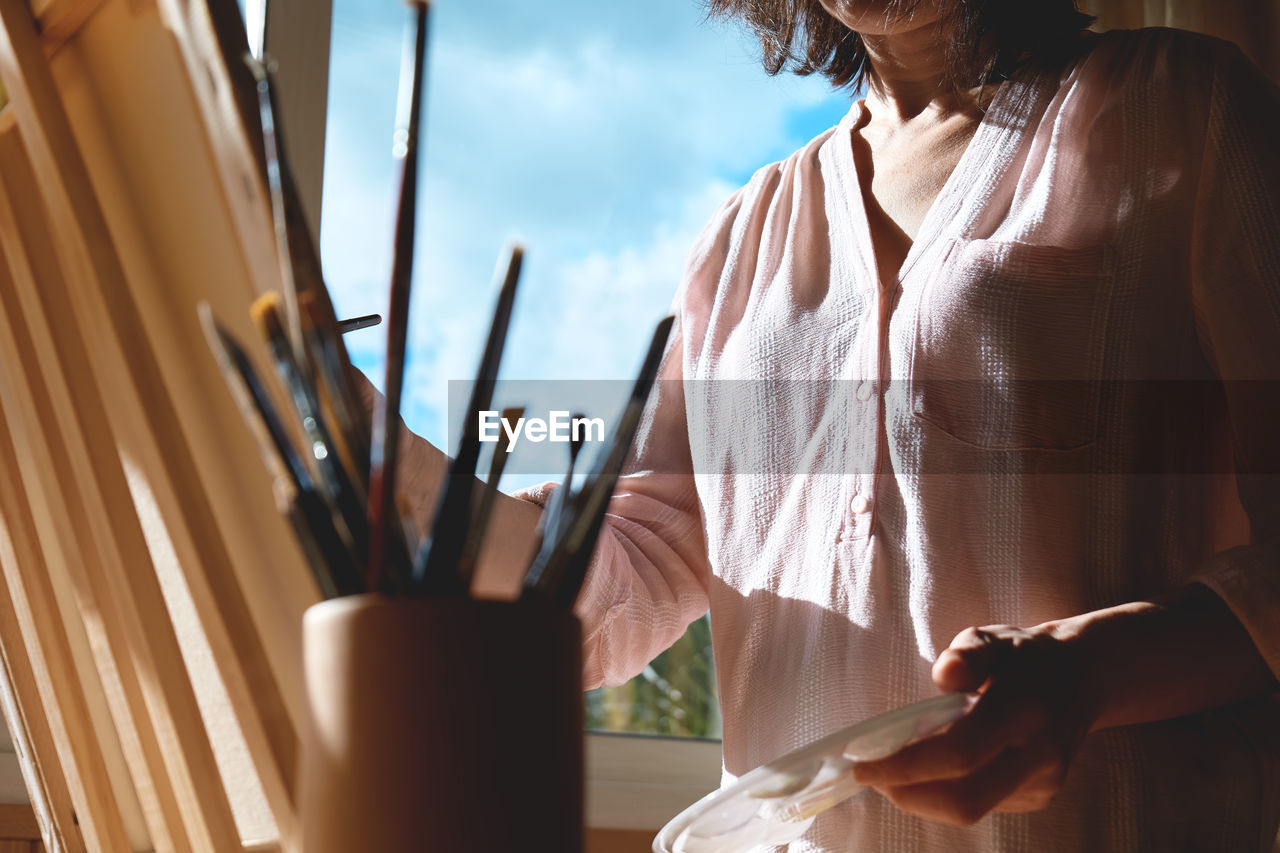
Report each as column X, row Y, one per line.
column 1066, row 399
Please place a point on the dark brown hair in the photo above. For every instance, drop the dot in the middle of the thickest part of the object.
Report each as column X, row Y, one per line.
column 987, row 38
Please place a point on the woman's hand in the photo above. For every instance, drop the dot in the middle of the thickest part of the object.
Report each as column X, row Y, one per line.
column 1044, row 688
column 1011, row 752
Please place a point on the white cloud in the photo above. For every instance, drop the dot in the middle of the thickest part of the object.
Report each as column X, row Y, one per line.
column 610, row 300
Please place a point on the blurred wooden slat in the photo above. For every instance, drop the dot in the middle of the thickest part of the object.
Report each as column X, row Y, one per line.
column 119, row 416
column 160, row 709
column 59, row 20
column 43, row 666
column 177, row 243
column 176, row 248
column 61, row 459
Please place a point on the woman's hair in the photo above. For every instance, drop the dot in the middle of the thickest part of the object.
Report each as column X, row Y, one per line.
column 987, row 39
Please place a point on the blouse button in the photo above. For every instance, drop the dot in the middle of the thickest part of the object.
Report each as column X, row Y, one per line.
column 860, row 504
column 864, row 391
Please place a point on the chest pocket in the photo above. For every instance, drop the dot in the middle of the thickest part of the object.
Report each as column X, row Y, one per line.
column 1009, row 345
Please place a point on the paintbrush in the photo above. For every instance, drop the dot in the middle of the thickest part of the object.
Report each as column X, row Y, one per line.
column 549, row 522
column 385, row 444
column 566, row 489
column 364, row 321
column 407, row 525
column 329, row 365
column 276, row 455
column 278, row 175
column 300, row 267
column 436, row 565
column 480, row 524
column 312, row 522
column 333, row 480
column 576, row 440
column 560, row 567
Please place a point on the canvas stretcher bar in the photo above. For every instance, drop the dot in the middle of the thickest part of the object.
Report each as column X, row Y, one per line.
column 106, row 289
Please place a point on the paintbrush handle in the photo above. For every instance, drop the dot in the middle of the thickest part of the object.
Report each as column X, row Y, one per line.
column 356, row 323
column 436, row 566
column 326, row 553
column 315, row 513
column 301, row 276
column 480, row 526
column 304, row 530
column 385, row 445
column 331, row 476
column 560, row 566
column 279, row 177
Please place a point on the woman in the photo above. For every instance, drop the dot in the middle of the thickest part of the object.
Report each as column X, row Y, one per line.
column 983, row 398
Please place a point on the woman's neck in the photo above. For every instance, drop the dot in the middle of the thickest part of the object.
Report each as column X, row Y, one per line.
column 909, row 73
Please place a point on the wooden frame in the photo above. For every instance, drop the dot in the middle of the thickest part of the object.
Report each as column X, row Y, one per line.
column 117, row 501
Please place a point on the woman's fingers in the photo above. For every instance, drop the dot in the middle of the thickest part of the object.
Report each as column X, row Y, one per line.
column 1011, row 750
column 970, row 660
column 996, row 722
column 963, row 802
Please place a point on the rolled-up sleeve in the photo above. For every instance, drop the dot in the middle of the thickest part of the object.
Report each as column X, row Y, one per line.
column 649, row 576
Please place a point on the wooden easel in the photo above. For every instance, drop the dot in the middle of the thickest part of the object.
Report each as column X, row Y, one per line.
column 151, row 596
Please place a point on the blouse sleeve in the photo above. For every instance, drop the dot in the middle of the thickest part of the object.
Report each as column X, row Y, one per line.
column 649, row 576
column 1236, row 292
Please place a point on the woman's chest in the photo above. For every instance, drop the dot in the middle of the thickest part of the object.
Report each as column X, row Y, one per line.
column 1006, row 342
column 1047, row 289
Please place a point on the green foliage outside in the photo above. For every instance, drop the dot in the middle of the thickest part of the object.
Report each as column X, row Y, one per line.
column 675, row 695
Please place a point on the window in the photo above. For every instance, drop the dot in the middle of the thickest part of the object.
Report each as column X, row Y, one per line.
column 600, row 135
column 675, row 695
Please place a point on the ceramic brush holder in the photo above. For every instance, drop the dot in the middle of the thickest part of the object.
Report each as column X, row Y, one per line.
column 442, row 724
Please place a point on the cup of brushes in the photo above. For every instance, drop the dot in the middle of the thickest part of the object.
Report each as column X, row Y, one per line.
column 437, row 720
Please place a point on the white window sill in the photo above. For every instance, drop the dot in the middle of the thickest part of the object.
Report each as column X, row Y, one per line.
column 641, row 782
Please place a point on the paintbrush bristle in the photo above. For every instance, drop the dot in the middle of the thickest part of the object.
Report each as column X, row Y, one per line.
column 307, row 307
column 265, row 312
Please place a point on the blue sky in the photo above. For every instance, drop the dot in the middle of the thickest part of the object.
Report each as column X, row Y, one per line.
column 601, row 135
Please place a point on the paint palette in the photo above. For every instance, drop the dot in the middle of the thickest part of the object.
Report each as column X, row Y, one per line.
column 775, row 803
